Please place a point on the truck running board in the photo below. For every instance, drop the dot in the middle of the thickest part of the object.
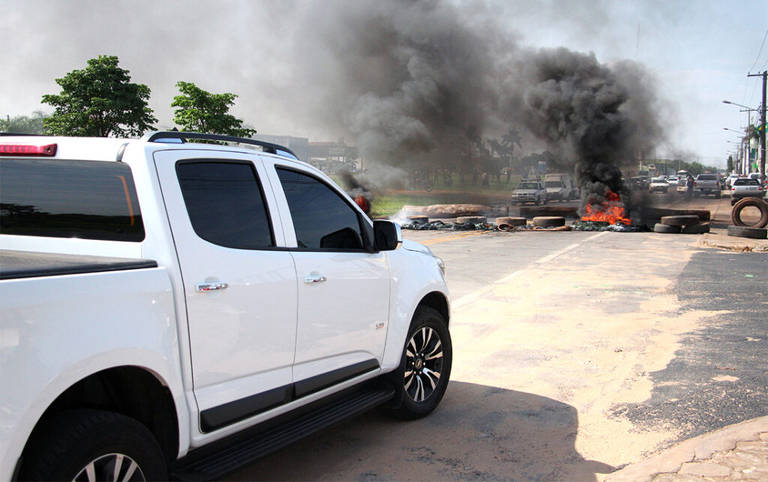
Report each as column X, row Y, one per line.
column 211, row 463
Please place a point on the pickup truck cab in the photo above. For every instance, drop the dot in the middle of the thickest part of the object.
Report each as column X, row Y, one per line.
column 174, row 308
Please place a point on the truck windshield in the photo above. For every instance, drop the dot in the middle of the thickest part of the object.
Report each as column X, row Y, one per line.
column 528, row 185
column 553, row 184
column 69, row 199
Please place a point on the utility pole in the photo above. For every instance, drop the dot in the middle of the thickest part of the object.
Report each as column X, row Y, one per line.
column 763, row 128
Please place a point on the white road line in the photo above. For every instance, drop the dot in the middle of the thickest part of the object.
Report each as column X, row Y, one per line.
column 470, row 297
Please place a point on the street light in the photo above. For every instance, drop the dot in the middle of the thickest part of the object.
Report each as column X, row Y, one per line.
column 749, row 111
column 733, row 130
column 739, row 105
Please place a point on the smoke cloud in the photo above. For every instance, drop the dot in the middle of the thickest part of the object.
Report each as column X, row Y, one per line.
column 423, row 83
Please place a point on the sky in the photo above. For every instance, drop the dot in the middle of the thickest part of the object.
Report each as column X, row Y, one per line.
column 697, row 54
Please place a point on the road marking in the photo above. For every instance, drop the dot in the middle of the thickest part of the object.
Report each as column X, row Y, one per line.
column 475, row 295
column 451, row 238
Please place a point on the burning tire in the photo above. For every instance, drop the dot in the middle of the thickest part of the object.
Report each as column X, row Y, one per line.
column 680, row 220
column 747, row 232
column 666, row 228
column 549, row 221
column 695, row 228
column 750, row 202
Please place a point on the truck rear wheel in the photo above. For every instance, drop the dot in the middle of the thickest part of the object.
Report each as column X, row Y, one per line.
column 94, row 445
column 425, row 367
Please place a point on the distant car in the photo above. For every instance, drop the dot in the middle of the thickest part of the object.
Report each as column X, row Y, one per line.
column 658, row 184
column 682, row 185
column 729, row 180
column 529, row 191
column 640, row 182
column 672, row 180
column 746, row 187
column 707, row 184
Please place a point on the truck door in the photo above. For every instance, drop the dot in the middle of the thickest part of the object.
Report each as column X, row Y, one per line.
column 240, row 288
column 343, row 289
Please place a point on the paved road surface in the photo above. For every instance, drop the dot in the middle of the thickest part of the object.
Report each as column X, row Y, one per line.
column 576, row 353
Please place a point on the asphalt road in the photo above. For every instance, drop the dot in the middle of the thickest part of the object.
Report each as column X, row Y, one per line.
column 575, row 354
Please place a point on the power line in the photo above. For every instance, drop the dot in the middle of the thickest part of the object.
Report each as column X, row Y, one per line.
column 760, row 51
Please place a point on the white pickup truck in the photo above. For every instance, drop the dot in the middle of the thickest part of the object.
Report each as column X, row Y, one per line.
column 177, row 309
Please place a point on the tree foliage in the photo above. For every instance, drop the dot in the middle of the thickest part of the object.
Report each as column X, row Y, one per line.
column 99, row 101
column 23, row 124
column 201, row 111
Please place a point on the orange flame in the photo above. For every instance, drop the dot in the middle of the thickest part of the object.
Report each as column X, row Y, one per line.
column 610, row 211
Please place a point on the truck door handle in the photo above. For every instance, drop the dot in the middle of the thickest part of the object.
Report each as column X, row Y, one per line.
column 314, row 277
column 205, row 287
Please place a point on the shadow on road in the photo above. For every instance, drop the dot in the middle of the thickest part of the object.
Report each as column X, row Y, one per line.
column 478, row 432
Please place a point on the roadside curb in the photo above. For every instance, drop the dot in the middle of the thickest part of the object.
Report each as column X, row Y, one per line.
column 718, row 239
column 697, row 448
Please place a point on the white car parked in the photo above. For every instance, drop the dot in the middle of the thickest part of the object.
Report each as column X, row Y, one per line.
column 158, row 295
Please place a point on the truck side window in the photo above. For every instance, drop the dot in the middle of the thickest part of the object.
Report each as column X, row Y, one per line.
column 321, row 218
column 69, row 199
column 225, row 203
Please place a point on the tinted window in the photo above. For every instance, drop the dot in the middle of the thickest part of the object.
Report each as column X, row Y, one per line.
column 225, row 203
column 746, row 182
column 321, row 218
column 69, row 199
column 707, row 177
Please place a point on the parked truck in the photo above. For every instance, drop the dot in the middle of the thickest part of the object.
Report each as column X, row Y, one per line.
column 177, row 309
column 560, row 187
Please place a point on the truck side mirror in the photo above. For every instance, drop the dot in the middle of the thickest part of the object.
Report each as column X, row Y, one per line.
column 387, row 235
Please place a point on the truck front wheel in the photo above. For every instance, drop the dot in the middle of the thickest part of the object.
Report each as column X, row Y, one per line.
column 94, row 445
column 425, row 367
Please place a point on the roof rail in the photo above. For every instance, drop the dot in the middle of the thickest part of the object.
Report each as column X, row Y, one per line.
column 177, row 136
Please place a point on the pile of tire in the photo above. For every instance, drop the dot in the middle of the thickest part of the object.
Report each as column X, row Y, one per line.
column 681, row 224
column 740, row 228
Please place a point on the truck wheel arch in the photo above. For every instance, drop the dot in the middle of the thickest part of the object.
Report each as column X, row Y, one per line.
column 437, row 301
column 129, row 390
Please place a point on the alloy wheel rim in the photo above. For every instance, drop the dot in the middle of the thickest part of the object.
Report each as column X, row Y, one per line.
column 114, row 467
column 423, row 364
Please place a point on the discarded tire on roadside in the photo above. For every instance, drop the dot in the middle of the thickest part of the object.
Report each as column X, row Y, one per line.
column 471, row 220
column 695, row 228
column 761, row 205
column 548, row 221
column 511, row 221
column 666, row 228
column 747, row 232
column 680, row 220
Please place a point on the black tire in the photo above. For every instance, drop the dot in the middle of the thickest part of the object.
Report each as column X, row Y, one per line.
column 411, row 401
column 549, row 221
column 747, row 232
column 511, row 221
column 680, row 220
column 76, row 439
column 666, row 228
column 695, row 228
column 754, row 202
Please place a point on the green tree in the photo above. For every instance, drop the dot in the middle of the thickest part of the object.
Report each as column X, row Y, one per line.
column 99, row 101
column 23, row 124
column 730, row 164
column 201, row 111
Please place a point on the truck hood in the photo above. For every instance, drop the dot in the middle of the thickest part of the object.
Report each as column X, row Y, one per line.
column 524, row 191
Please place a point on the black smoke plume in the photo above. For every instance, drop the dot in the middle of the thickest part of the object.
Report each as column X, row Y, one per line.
column 423, row 82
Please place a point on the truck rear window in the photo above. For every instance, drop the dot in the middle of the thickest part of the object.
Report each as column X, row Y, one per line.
column 69, row 199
